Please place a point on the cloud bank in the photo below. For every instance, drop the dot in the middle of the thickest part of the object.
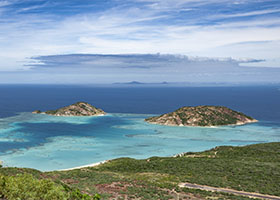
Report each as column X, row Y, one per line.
column 151, row 68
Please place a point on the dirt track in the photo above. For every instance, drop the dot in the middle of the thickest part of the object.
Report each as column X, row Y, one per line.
column 236, row 192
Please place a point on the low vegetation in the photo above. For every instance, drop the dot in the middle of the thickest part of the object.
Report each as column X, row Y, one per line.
column 25, row 186
column 202, row 116
column 253, row 168
column 77, row 109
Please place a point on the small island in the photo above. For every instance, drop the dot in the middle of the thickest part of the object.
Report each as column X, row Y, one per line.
column 77, row 109
column 205, row 116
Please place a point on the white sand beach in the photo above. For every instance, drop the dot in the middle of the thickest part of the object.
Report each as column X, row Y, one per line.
column 84, row 166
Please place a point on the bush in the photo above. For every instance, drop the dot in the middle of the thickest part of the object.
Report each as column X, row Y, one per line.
column 25, row 186
column 76, row 194
column 2, row 184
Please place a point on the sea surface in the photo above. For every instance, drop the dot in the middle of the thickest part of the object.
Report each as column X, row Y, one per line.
column 52, row 143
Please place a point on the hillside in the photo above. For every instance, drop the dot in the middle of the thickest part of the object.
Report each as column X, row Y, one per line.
column 202, row 116
column 253, row 168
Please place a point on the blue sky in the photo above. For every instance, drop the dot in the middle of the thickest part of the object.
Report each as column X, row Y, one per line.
column 107, row 41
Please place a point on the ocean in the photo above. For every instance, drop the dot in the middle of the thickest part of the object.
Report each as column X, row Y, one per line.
column 53, row 143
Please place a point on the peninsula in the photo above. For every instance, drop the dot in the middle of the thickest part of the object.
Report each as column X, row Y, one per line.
column 205, row 116
column 77, row 109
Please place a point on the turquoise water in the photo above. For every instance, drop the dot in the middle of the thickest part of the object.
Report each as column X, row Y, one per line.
column 51, row 143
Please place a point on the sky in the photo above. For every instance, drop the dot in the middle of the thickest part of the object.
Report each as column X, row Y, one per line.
column 108, row 41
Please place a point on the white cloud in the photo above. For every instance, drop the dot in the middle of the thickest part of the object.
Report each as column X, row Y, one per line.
column 94, row 68
column 134, row 30
column 247, row 14
column 4, row 3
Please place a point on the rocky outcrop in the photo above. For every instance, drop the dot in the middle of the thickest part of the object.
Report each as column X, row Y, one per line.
column 77, row 109
column 37, row 112
column 206, row 116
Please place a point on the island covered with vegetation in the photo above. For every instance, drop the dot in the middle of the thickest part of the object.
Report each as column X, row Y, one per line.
column 202, row 116
column 76, row 109
column 252, row 168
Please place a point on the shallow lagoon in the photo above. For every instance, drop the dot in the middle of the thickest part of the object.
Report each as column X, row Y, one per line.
column 52, row 143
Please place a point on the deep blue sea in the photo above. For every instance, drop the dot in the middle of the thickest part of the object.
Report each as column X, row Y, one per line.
column 52, row 143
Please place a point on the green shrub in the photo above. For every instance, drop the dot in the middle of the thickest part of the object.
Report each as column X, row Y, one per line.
column 26, row 187
column 76, row 194
column 2, row 185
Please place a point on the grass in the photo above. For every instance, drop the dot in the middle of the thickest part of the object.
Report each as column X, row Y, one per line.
column 253, row 168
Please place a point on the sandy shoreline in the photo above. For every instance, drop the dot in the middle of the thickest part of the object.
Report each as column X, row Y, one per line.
column 84, row 166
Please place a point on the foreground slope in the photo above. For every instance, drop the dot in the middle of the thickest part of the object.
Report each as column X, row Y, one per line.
column 202, row 116
column 77, row 109
column 253, row 168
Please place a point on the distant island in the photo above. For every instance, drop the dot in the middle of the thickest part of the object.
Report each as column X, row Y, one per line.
column 205, row 116
column 77, row 109
column 140, row 83
column 131, row 83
